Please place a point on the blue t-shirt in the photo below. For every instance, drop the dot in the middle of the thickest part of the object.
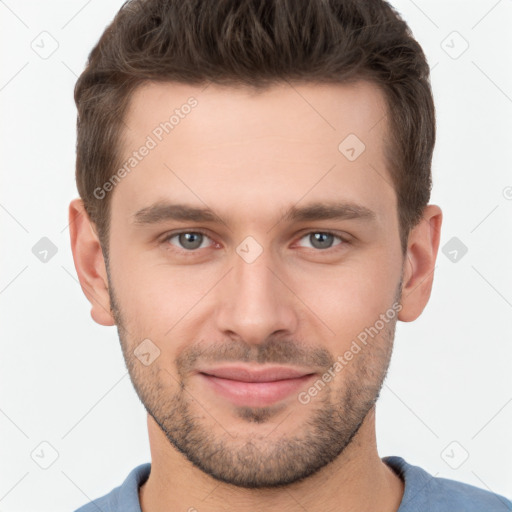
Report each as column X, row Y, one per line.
column 422, row 493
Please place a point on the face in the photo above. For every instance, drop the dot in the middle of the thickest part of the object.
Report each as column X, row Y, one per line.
column 253, row 235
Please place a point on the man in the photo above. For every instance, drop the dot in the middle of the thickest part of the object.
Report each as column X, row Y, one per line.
column 254, row 181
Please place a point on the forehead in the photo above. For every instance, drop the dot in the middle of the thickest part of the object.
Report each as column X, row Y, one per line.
column 239, row 111
column 244, row 145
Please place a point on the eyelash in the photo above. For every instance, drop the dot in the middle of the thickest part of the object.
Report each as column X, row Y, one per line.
column 343, row 240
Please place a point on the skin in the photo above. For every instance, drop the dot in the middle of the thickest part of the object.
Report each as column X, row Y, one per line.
column 248, row 157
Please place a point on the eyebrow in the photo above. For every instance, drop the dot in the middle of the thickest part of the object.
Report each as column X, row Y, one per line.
column 162, row 211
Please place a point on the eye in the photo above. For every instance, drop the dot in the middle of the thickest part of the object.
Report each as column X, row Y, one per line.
column 323, row 239
column 188, row 240
column 191, row 241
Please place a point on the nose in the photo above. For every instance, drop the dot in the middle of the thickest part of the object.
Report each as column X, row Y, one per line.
column 255, row 302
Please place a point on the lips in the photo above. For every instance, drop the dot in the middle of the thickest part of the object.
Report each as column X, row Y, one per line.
column 256, row 375
column 254, row 387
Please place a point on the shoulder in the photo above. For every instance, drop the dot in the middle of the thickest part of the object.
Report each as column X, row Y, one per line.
column 433, row 494
column 456, row 495
column 124, row 498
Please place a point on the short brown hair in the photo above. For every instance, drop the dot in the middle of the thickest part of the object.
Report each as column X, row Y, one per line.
column 257, row 43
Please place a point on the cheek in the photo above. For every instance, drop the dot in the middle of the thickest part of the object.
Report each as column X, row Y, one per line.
column 157, row 300
column 349, row 297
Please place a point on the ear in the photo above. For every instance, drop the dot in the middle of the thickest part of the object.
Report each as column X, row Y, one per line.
column 89, row 263
column 419, row 263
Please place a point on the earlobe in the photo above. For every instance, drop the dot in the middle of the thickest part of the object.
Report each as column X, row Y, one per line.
column 89, row 263
column 420, row 262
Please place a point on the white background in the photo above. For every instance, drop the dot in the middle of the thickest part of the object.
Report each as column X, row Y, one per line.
column 63, row 379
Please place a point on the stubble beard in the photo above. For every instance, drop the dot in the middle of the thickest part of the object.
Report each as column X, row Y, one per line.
column 266, row 460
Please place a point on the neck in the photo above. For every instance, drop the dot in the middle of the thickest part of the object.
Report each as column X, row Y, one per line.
column 356, row 480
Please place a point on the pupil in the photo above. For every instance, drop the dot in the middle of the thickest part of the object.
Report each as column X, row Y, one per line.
column 321, row 238
column 190, row 240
